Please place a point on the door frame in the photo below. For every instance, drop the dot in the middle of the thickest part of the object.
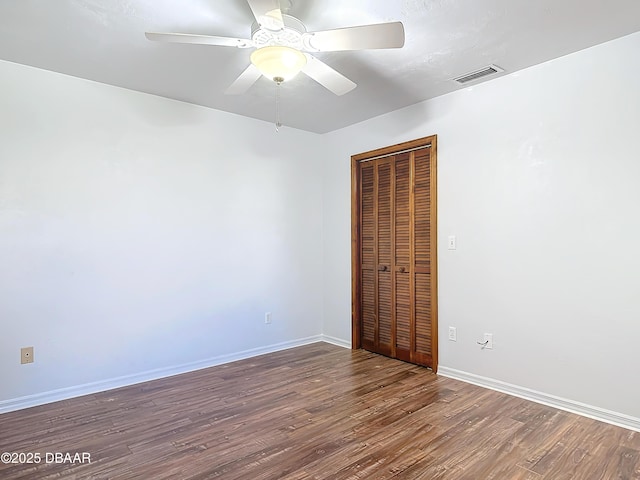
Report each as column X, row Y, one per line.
column 356, row 281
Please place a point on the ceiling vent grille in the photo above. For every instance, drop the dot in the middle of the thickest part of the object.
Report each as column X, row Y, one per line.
column 483, row 72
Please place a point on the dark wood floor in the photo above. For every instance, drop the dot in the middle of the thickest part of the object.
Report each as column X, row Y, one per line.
column 320, row 412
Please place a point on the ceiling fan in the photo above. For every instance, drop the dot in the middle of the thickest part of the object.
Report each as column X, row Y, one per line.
column 283, row 44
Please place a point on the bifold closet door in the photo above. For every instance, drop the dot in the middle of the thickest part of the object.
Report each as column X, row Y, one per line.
column 413, row 302
column 403, row 258
column 395, row 295
column 377, row 305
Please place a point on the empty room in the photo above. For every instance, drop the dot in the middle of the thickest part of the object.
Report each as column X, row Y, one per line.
column 304, row 239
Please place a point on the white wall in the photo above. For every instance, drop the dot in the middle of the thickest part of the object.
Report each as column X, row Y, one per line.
column 539, row 178
column 139, row 233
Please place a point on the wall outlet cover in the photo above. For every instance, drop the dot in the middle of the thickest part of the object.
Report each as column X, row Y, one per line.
column 26, row 355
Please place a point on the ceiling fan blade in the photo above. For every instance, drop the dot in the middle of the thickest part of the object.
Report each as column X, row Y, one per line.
column 244, row 81
column 267, row 13
column 327, row 76
column 199, row 39
column 363, row 37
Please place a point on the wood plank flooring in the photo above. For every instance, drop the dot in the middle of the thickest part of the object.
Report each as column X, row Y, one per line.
column 314, row 412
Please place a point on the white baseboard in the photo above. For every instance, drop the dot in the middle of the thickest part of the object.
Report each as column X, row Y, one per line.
column 103, row 385
column 607, row 416
column 596, row 413
column 336, row 341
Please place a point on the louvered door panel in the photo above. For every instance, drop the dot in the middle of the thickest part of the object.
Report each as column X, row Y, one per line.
column 384, row 256
column 423, row 317
column 368, row 308
column 402, row 211
column 368, row 257
column 422, row 202
column 402, row 223
column 422, row 241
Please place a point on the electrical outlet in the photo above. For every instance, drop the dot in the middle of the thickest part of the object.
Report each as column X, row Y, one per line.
column 488, row 338
column 26, row 355
column 267, row 317
column 453, row 334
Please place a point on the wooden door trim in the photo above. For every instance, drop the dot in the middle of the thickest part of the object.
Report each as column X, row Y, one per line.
column 394, row 149
column 433, row 188
column 356, row 191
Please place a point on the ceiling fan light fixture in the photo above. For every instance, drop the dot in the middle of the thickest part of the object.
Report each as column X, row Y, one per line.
column 279, row 61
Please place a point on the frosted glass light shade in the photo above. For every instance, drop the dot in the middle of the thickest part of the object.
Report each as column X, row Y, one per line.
column 279, row 62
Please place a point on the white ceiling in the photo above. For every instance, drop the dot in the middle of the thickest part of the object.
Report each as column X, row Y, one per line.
column 103, row 40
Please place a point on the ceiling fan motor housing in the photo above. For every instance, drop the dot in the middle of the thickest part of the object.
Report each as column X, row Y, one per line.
column 292, row 35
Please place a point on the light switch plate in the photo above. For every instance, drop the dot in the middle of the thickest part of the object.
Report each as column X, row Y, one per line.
column 453, row 334
column 451, row 245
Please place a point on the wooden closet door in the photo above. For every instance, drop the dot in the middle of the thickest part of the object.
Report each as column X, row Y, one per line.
column 376, row 256
column 384, row 332
column 395, row 278
column 368, row 257
column 422, row 351
column 403, row 258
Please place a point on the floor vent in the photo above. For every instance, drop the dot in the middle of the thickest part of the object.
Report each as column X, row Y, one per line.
column 483, row 72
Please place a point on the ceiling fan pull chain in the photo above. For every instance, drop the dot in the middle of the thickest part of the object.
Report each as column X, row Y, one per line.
column 278, row 123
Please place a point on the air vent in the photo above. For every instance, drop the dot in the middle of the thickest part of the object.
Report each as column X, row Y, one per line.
column 483, row 72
